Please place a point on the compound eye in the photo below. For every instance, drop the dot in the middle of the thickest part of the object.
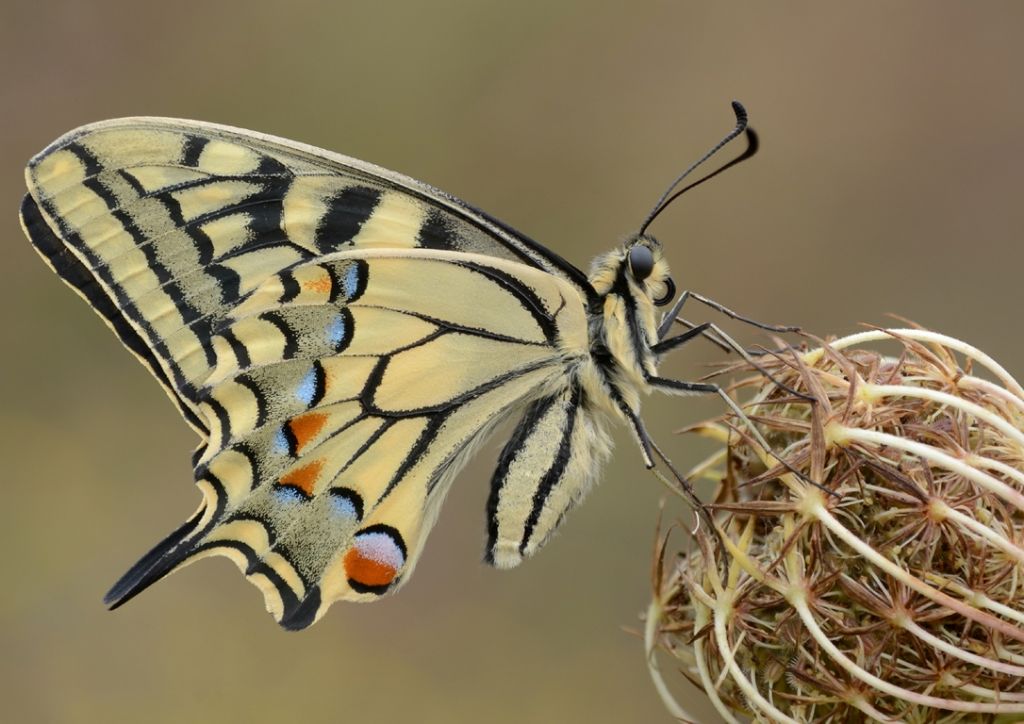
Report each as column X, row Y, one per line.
column 641, row 262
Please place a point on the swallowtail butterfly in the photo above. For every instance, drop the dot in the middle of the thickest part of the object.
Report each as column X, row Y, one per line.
column 341, row 338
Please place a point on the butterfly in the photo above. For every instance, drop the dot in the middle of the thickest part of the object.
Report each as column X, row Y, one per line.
column 342, row 338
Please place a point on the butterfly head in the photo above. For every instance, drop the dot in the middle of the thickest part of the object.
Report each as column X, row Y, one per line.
column 638, row 268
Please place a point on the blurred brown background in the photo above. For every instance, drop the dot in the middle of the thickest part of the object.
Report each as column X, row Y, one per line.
column 889, row 181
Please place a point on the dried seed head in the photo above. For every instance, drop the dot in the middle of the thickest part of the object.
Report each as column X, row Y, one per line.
column 894, row 591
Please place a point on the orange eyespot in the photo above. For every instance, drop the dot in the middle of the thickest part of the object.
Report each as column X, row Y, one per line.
column 375, row 558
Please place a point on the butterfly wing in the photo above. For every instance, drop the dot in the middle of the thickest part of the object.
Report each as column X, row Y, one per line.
column 341, row 336
column 163, row 225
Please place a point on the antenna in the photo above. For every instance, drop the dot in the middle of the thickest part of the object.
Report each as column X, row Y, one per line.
column 752, row 147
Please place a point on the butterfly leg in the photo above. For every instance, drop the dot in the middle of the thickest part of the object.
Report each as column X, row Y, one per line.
column 706, row 388
column 649, row 448
column 729, row 344
column 672, row 316
column 680, row 387
column 723, row 340
column 781, row 328
column 666, row 345
column 643, row 439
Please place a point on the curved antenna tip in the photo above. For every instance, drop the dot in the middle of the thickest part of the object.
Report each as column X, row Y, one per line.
column 741, row 113
column 741, row 126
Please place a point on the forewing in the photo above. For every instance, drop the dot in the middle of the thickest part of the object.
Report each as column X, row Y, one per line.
column 345, row 393
column 165, row 225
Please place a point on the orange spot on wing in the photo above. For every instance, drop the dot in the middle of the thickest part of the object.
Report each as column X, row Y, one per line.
column 320, row 285
column 304, row 478
column 366, row 570
column 306, row 427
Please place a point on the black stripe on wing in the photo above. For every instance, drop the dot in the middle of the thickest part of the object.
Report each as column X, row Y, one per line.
column 436, row 232
column 347, row 211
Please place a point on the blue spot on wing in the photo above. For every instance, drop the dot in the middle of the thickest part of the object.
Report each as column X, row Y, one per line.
column 306, row 391
column 288, row 495
column 346, row 503
column 336, row 331
column 350, row 283
column 343, row 507
column 281, row 446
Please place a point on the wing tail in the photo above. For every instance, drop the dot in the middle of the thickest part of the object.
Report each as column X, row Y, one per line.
column 165, row 556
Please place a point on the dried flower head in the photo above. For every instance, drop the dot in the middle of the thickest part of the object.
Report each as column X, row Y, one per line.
column 870, row 568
